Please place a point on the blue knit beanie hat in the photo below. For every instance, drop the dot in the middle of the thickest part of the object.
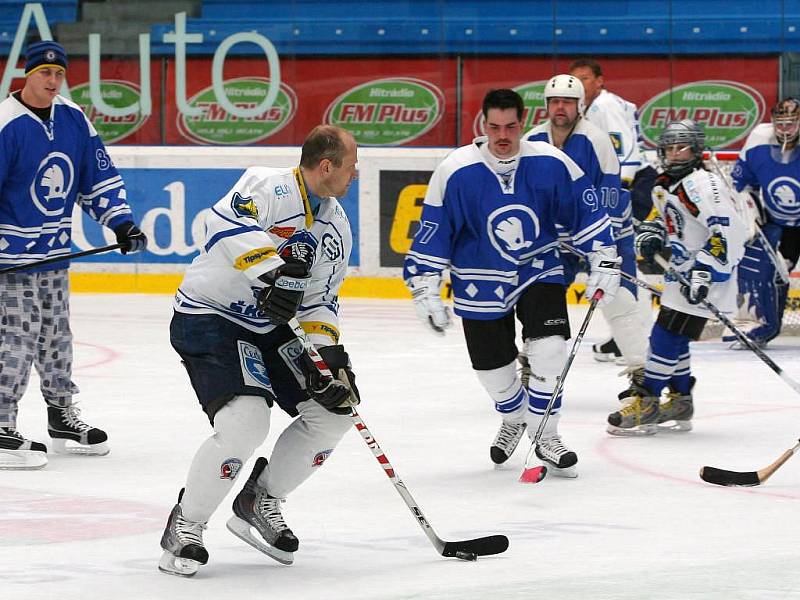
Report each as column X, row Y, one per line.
column 44, row 54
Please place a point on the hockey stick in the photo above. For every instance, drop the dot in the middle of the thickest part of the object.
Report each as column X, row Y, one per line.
column 463, row 549
column 56, row 259
column 535, row 474
column 777, row 262
column 740, row 335
column 745, row 478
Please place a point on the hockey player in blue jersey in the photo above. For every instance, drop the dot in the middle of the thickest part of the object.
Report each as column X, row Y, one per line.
column 51, row 158
column 490, row 216
column 592, row 150
column 706, row 237
column 769, row 168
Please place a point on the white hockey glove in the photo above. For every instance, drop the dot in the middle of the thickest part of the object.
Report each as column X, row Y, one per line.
column 604, row 274
column 699, row 279
column 425, row 290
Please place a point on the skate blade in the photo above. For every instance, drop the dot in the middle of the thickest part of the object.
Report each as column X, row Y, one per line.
column 638, row 431
column 22, row 460
column 241, row 529
column 174, row 565
column 568, row 473
column 605, row 357
column 62, row 446
column 676, row 426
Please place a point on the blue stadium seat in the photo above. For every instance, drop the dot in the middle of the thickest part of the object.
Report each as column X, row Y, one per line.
column 55, row 10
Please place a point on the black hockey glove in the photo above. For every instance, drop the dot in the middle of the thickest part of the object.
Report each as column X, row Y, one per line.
column 282, row 296
column 650, row 239
column 699, row 279
column 131, row 238
column 338, row 362
column 330, row 393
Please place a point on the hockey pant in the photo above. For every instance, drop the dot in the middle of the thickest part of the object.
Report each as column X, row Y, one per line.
column 240, row 427
column 546, row 357
column 34, row 330
column 763, row 294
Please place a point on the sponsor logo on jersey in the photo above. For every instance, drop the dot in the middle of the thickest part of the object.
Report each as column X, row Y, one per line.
column 683, row 197
column 299, row 248
column 320, row 328
column 254, row 373
column 387, row 112
column 616, row 141
column 512, row 230
column 283, row 232
column 253, row 257
column 244, row 207
column 217, row 126
column 321, row 457
column 52, row 183
column 331, row 246
column 717, row 246
column 229, row 469
column 785, row 195
column 673, row 219
column 727, row 110
column 117, row 94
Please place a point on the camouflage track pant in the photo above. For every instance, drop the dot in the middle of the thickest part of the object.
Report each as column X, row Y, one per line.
column 34, row 329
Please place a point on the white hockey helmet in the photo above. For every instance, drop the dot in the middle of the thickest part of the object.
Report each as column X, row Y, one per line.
column 566, row 86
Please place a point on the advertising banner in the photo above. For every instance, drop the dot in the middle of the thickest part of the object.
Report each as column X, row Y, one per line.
column 170, row 207
column 402, row 102
column 663, row 89
column 401, row 196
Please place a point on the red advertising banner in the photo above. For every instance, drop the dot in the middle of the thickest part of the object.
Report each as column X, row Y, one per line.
column 398, row 102
column 728, row 96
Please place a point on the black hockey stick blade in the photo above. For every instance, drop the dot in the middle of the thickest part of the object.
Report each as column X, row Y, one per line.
column 485, row 546
column 729, row 478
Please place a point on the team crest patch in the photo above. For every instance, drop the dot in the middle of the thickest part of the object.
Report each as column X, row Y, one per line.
column 282, row 232
column 254, row 373
column 229, row 469
column 616, row 141
column 717, row 247
column 244, row 207
column 321, row 457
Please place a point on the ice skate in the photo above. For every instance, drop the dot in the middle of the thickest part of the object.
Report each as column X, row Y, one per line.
column 676, row 413
column 506, row 441
column 255, row 509
column 636, row 381
column 183, row 544
column 20, row 453
column 70, row 435
column 607, row 351
column 638, row 417
column 559, row 459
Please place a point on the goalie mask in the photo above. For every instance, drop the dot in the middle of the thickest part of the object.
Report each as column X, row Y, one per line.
column 565, row 86
column 680, row 147
column 786, row 121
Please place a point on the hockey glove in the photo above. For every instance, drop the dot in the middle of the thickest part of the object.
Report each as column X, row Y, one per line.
column 699, row 279
column 650, row 239
column 604, row 274
column 131, row 238
column 332, row 394
column 281, row 298
column 428, row 301
column 338, row 362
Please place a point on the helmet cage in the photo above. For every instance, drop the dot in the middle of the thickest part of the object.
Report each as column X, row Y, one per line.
column 686, row 134
column 786, row 120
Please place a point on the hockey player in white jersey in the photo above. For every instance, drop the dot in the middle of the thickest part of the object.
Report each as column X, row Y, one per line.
column 592, row 151
column 277, row 245
column 619, row 118
column 769, row 168
column 490, row 216
column 706, row 237
column 51, row 159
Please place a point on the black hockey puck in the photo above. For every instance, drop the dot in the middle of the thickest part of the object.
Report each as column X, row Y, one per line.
column 464, row 555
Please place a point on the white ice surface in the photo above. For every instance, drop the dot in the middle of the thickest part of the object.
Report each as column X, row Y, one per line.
column 637, row 523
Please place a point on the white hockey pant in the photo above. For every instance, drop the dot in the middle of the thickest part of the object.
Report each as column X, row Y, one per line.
column 628, row 327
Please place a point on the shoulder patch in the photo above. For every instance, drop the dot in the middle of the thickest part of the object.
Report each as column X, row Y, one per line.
column 244, row 207
column 616, row 141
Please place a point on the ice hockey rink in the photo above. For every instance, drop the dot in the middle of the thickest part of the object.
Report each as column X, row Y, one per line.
column 637, row 523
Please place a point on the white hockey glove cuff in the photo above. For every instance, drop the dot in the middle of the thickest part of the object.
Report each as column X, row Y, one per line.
column 425, row 290
column 604, row 274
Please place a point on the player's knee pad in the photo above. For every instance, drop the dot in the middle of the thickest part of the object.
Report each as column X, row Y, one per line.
column 628, row 328
column 325, row 427
column 546, row 356
column 242, row 425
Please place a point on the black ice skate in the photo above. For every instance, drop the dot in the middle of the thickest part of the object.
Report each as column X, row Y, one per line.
column 255, row 509
column 506, row 441
column 70, row 435
column 638, row 417
column 183, row 544
column 18, row 452
column 559, row 459
column 607, row 352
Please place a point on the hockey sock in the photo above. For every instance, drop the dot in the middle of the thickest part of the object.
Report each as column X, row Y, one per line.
column 547, row 357
column 505, row 389
column 681, row 379
column 302, row 448
column 240, row 427
column 666, row 348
